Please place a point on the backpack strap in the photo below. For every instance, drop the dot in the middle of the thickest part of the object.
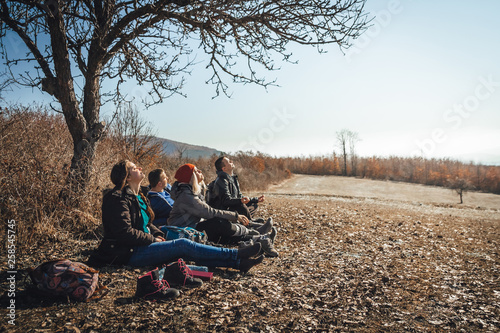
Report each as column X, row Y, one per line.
column 101, row 289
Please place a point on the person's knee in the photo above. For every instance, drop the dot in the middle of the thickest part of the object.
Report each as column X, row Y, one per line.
column 228, row 228
column 184, row 243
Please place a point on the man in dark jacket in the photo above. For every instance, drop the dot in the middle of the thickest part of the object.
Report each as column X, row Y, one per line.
column 226, row 193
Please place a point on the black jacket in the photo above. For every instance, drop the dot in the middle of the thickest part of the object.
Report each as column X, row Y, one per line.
column 226, row 193
column 122, row 221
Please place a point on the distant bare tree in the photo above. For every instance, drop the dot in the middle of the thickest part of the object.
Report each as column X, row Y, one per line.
column 342, row 143
column 69, row 48
column 180, row 149
column 139, row 141
column 353, row 139
column 461, row 186
column 347, row 139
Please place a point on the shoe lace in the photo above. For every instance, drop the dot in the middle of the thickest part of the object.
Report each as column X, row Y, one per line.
column 161, row 284
column 185, row 270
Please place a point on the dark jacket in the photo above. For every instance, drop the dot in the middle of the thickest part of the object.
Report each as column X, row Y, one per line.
column 226, row 193
column 189, row 208
column 122, row 222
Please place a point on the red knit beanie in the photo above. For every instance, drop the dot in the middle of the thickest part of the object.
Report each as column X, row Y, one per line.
column 184, row 173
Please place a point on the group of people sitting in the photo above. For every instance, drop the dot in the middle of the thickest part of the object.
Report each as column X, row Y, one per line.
column 132, row 219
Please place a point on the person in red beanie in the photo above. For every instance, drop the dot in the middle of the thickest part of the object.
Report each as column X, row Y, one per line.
column 184, row 173
column 190, row 210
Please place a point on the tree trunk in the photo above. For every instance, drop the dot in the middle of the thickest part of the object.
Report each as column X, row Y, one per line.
column 84, row 127
column 344, row 172
column 80, row 170
column 353, row 165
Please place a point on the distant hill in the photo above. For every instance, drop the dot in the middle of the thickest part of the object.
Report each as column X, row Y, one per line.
column 173, row 148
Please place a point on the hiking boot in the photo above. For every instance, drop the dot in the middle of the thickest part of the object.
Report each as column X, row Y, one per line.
column 267, row 247
column 247, row 263
column 253, row 232
column 149, row 286
column 266, row 227
column 244, row 244
column 178, row 274
column 272, row 234
column 248, row 250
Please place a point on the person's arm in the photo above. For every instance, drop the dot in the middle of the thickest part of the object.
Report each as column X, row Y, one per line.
column 155, row 231
column 196, row 207
column 116, row 215
column 255, row 200
column 243, row 220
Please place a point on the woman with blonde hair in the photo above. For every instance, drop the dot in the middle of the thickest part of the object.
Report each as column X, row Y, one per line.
column 221, row 226
column 131, row 238
column 190, row 210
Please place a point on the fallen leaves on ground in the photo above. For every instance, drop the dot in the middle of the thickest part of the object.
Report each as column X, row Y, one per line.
column 345, row 265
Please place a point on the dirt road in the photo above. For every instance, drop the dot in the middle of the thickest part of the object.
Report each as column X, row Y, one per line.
column 385, row 190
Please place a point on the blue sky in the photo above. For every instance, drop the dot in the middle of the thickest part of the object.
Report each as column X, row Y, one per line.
column 423, row 80
column 408, row 87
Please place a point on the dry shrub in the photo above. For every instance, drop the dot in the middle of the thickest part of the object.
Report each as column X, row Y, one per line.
column 36, row 150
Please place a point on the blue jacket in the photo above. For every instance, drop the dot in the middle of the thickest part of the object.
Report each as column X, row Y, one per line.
column 161, row 203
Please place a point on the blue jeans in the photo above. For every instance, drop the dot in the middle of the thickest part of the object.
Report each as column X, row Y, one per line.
column 168, row 251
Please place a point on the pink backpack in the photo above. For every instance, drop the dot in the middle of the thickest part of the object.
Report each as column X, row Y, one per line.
column 64, row 277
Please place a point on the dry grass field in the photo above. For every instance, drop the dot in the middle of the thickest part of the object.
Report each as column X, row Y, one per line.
column 355, row 256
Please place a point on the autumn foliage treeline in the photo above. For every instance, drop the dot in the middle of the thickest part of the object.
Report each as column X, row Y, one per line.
column 438, row 172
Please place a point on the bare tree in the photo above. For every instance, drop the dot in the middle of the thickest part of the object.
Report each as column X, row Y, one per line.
column 353, row 139
column 461, row 186
column 180, row 149
column 136, row 135
column 342, row 141
column 72, row 47
column 347, row 139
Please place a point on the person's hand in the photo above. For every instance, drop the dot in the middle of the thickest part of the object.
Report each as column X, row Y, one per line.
column 262, row 198
column 245, row 200
column 243, row 220
column 159, row 239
